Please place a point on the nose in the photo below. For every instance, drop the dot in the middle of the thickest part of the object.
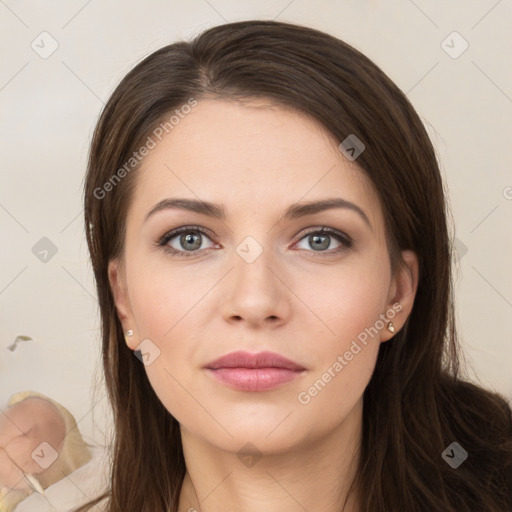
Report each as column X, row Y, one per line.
column 256, row 293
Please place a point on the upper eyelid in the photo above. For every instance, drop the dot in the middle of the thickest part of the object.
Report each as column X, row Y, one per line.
column 173, row 233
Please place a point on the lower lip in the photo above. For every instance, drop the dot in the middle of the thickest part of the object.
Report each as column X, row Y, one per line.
column 254, row 379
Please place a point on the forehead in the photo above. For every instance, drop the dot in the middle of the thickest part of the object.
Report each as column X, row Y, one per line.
column 250, row 154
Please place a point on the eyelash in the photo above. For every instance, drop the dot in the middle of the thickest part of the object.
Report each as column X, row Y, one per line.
column 345, row 240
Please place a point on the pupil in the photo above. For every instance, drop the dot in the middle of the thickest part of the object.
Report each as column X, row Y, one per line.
column 189, row 237
column 316, row 238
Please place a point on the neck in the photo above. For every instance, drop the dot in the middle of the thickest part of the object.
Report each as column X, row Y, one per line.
column 313, row 476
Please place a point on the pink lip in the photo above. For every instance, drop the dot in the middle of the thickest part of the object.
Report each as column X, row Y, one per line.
column 243, row 359
column 254, row 372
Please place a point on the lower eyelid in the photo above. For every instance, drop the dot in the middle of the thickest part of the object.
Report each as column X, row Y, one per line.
column 345, row 241
column 164, row 241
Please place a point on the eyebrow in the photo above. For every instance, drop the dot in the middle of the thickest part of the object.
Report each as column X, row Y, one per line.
column 295, row 211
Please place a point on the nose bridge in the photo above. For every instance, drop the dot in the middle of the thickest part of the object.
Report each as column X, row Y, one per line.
column 256, row 290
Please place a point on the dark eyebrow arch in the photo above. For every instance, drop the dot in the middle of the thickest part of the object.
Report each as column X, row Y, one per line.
column 295, row 211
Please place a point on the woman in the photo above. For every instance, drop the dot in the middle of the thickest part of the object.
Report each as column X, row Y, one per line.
column 267, row 189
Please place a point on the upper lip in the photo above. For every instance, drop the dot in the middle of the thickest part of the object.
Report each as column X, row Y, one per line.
column 241, row 359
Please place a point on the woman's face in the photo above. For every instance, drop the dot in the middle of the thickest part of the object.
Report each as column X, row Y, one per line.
column 257, row 279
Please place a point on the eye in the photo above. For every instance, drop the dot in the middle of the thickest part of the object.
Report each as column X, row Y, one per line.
column 189, row 240
column 320, row 240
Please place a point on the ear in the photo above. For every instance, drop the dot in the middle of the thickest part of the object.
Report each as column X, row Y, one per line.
column 117, row 280
column 402, row 291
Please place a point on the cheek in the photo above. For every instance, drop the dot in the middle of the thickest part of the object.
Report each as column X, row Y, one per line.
column 346, row 301
column 163, row 297
column 344, row 332
column 167, row 306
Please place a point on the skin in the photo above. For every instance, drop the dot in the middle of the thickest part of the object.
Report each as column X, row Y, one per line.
column 23, row 427
column 305, row 303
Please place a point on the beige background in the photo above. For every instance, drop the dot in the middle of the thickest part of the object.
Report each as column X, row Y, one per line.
column 49, row 107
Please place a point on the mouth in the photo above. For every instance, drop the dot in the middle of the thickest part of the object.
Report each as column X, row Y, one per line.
column 263, row 371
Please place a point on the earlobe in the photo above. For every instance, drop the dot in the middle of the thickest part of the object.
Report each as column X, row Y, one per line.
column 403, row 293
column 117, row 282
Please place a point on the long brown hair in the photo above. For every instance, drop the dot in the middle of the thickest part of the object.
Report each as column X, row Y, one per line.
column 417, row 402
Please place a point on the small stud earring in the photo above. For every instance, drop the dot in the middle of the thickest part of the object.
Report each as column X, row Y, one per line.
column 391, row 327
column 129, row 333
